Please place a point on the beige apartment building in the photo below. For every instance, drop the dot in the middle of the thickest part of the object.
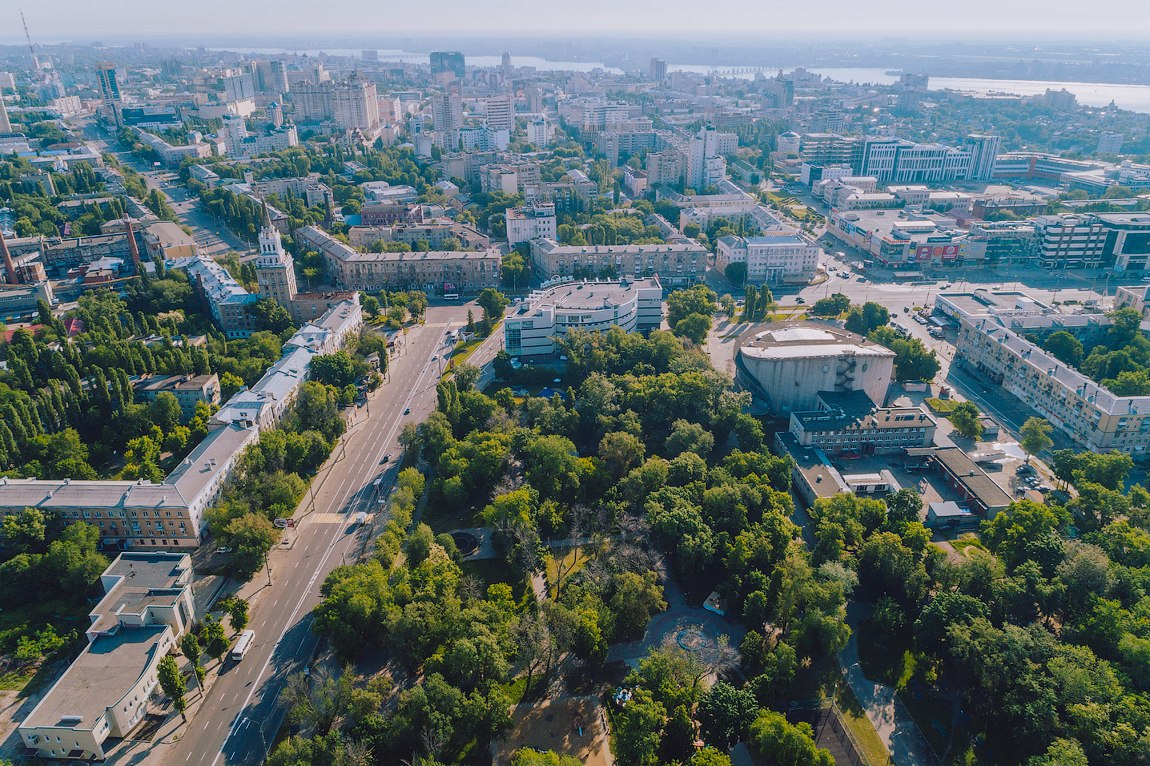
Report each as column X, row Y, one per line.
column 435, row 272
column 674, row 264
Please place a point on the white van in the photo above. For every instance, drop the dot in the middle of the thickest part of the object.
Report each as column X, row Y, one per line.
column 242, row 645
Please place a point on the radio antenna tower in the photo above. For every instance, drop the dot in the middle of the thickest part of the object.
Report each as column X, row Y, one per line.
column 31, row 49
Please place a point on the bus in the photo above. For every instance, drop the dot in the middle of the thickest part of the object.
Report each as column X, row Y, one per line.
column 242, row 645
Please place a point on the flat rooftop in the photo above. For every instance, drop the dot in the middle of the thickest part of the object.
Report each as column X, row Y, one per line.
column 881, row 418
column 584, row 295
column 822, row 477
column 104, row 672
column 797, row 340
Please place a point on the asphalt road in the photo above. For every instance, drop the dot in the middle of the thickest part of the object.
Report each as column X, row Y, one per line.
column 241, row 714
column 212, row 236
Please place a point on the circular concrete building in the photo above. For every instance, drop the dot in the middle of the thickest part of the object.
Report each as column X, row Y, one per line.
column 786, row 364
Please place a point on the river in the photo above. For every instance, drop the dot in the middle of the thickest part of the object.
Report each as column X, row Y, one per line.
column 1136, row 98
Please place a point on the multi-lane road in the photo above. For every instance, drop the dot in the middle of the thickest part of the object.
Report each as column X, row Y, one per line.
column 241, row 713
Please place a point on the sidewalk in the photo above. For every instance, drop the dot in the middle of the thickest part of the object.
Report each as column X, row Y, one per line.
column 891, row 720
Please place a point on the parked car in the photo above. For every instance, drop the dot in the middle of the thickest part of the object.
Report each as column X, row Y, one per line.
column 280, row 523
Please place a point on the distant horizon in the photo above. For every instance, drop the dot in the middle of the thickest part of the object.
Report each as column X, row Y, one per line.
column 976, row 20
column 359, row 38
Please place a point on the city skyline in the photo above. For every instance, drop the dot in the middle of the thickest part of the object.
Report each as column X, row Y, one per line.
column 124, row 19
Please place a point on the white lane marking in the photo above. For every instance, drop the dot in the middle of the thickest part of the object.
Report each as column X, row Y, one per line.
column 303, row 596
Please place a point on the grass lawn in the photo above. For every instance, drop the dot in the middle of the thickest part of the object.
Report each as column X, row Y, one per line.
column 492, row 571
column 564, row 556
column 965, row 542
column 941, row 406
column 860, row 727
column 931, row 713
column 884, row 659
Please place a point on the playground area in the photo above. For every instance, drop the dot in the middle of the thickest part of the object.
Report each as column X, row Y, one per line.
column 574, row 726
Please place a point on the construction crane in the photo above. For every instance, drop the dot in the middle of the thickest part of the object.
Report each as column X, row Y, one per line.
column 31, row 49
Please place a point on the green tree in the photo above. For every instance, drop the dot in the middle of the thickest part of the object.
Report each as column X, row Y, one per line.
column 493, row 303
column 694, row 327
column 173, row 684
column 237, row 609
column 1064, row 347
column 725, row 713
column 530, row 757
column 904, row 506
column 831, row 306
column 709, row 756
column 785, row 744
column 251, row 537
column 164, row 411
column 338, row 369
column 1027, row 531
column 215, row 639
column 25, row 531
column 736, row 274
column 638, row 726
column 1061, row 752
column 1034, row 436
column 698, row 299
column 271, row 316
column 913, row 361
column 964, row 417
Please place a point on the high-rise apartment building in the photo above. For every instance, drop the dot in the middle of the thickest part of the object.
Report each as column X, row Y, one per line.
column 501, row 112
column 706, row 165
column 5, row 125
column 657, row 70
column 537, row 132
column 112, row 101
column 446, row 112
column 447, row 65
column 270, row 76
column 349, row 104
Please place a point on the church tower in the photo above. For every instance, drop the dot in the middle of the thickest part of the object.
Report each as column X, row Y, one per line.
column 275, row 268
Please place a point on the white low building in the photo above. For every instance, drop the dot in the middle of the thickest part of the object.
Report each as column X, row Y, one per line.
column 108, row 689
column 531, row 326
column 771, row 258
column 530, row 222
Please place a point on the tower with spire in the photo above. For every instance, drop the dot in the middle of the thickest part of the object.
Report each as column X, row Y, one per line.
column 275, row 268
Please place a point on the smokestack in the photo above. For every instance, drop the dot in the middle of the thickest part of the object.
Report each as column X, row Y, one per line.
column 14, row 278
column 132, row 245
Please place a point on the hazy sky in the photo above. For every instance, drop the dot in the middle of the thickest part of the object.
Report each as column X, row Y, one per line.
column 52, row 20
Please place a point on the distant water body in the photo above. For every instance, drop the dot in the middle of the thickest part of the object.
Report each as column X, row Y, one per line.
column 1136, row 98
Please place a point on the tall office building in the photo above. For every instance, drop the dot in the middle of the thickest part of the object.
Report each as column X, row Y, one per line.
column 501, row 112
column 275, row 269
column 983, row 154
column 113, row 103
column 449, row 64
column 657, row 70
column 505, row 66
column 535, row 100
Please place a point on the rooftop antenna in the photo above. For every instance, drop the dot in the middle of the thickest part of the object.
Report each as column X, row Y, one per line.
column 31, row 49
